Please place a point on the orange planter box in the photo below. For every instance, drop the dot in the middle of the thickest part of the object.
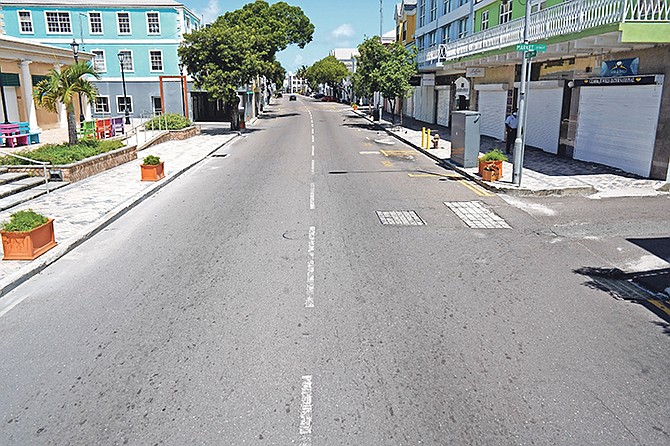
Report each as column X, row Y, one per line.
column 483, row 164
column 28, row 245
column 153, row 172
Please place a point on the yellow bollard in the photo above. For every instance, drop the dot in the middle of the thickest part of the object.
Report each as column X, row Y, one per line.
column 428, row 140
column 423, row 136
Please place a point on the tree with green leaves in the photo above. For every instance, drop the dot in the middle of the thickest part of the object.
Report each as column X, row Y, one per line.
column 386, row 69
column 241, row 45
column 327, row 71
column 62, row 87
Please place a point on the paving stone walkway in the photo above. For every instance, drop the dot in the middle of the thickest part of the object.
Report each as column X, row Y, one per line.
column 80, row 208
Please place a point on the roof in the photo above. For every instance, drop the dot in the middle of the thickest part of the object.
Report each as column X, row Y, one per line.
column 96, row 3
column 15, row 48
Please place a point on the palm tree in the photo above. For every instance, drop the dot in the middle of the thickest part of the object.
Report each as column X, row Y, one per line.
column 60, row 87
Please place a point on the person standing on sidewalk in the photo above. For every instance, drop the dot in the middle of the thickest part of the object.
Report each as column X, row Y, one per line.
column 511, row 124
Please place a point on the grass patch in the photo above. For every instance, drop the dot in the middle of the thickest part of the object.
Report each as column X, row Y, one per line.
column 57, row 154
column 173, row 121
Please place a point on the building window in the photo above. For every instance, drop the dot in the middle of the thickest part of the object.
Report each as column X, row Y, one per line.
column 432, row 39
column 404, row 31
column 95, row 22
column 446, row 30
column 422, row 12
column 58, row 22
column 156, row 105
column 156, row 60
column 123, row 22
column 124, row 102
column 505, row 12
column 102, row 104
column 99, row 61
column 153, row 23
column 127, row 60
column 25, row 22
column 433, row 10
column 188, row 24
column 485, row 20
column 537, row 6
column 462, row 27
column 446, row 6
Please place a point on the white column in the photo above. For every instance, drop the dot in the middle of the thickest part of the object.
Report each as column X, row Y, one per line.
column 60, row 107
column 88, row 115
column 27, row 83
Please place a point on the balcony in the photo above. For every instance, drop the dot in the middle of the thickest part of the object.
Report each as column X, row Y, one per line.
column 570, row 17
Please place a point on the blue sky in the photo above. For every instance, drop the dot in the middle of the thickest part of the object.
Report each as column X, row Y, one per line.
column 338, row 23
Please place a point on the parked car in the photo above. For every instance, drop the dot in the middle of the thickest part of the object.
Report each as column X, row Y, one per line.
column 328, row 99
column 292, row 98
column 318, row 95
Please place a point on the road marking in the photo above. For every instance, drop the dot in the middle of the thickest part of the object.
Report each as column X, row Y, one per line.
column 367, row 144
column 387, row 163
column 312, row 149
column 311, row 196
column 312, row 138
column 660, row 304
column 476, row 189
column 312, row 167
column 312, row 130
column 309, row 302
column 369, row 152
column 432, row 175
column 306, row 411
column 390, row 153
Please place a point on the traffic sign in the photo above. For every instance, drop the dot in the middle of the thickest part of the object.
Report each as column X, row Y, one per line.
column 541, row 47
column 531, row 54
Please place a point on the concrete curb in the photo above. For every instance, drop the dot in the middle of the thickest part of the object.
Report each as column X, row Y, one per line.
column 15, row 279
column 576, row 190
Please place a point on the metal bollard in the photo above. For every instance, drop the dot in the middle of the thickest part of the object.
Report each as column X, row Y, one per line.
column 436, row 141
column 427, row 146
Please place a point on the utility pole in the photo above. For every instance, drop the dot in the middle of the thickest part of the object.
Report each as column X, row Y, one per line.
column 519, row 142
column 381, row 18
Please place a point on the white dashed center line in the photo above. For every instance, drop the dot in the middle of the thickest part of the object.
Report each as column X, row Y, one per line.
column 309, row 302
column 306, row 411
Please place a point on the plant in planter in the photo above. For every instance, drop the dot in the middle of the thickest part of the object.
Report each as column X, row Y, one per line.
column 152, row 168
column 27, row 235
column 494, row 161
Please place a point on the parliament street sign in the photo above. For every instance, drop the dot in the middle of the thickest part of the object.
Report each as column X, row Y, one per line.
column 541, row 47
column 531, row 54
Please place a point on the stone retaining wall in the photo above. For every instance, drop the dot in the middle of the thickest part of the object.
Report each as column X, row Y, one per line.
column 176, row 135
column 85, row 168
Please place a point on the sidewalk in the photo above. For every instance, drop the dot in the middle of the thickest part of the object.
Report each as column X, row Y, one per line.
column 543, row 173
column 84, row 208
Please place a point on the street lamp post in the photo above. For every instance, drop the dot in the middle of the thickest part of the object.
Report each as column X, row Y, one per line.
column 122, row 60
column 181, row 83
column 75, row 52
column 519, row 142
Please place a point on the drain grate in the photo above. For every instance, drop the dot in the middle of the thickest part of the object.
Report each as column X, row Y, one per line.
column 476, row 215
column 400, row 218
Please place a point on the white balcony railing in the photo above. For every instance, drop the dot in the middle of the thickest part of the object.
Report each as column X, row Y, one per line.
column 567, row 18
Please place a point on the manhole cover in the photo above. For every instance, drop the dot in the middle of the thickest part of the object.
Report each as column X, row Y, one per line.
column 476, row 215
column 400, row 218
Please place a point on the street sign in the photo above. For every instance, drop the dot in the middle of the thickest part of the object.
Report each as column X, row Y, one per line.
column 531, row 54
column 541, row 47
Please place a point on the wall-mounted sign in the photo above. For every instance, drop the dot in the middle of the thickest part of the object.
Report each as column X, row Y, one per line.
column 428, row 80
column 620, row 80
column 620, row 67
column 475, row 72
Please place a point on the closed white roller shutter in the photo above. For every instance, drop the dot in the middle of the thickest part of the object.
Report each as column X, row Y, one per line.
column 407, row 106
column 443, row 106
column 617, row 126
column 493, row 107
column 544, row 117
column 424, row 104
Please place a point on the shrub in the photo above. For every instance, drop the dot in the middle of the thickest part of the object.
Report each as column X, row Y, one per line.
column 64, row 153
column 151, row 160
column 173, row 120
column 494, row 155
column 24, row 221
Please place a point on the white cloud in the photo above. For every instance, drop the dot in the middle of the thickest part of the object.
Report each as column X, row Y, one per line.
column 344, row 30
column 211, row 12
column 298, row 60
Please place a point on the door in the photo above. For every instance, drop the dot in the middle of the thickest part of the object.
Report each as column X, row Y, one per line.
column 616, row 126
column 424, row 104
column 443, row 97
column 493, row 108
column 156, row 105
column 544, row 116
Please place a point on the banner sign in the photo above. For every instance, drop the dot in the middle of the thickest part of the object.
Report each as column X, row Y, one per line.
column 475, row 72
column 620, row 67
column 621, row 80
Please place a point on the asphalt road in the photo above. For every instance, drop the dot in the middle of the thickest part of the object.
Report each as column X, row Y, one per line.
column 258, row 300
